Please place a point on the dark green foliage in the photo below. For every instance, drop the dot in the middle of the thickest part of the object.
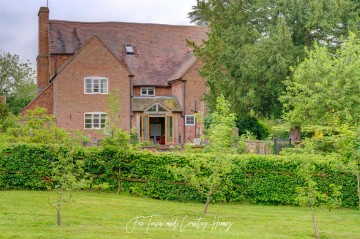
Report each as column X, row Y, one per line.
column 256, row 178
column 18, row 101
column 26, row 167
column 246, row 123
column 252, row 43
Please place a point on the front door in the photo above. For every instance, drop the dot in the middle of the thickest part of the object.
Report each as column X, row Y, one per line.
column 160, row 129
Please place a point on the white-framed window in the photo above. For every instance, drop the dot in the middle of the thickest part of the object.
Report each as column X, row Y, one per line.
column 147, row 91
column 94, row 120
column 95, row 85
column 189, row 120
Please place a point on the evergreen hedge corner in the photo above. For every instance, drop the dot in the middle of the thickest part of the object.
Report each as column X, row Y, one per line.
column 255, row 178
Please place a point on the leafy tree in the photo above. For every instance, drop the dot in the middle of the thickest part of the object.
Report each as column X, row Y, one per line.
column 22, row 97
column 208, row 176
column 325, row 87
column 17, row 81
column 251, row 45
column 36, row 126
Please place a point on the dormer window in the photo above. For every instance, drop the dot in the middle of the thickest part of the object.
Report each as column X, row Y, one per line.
column 129, row 50
column 147, row 91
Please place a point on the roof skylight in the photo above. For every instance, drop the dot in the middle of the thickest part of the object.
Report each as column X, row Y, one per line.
column 129, row 50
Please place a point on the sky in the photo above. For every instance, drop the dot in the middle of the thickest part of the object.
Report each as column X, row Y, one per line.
column 19, row 18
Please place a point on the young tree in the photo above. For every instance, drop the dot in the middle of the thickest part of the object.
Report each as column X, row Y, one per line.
column 310, row 196
column 68, row 175
column 17, row 81
column 208, row 175
column 36, row 126
column 116, row 137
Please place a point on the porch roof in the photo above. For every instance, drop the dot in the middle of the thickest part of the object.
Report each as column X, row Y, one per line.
column 140, row 103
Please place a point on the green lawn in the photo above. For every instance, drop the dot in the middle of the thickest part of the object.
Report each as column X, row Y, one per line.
column 26, row 214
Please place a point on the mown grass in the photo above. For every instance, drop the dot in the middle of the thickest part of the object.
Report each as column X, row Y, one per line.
column 27, row 214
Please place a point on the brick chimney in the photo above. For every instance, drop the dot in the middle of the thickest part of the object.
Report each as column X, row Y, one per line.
column 43, row 54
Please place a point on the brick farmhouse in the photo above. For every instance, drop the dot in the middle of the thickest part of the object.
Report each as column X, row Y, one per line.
column 150, row 65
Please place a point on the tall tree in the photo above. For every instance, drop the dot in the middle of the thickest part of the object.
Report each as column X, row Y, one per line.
column 17, row 81
column 252, row 43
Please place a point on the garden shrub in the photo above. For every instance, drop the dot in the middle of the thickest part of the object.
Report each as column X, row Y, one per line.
column 246, row 123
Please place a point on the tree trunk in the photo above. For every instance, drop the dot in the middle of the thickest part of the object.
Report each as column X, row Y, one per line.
column 207, row 204
column 295, row 134
column 119, row 181
column 59, row 210
column 314, row 221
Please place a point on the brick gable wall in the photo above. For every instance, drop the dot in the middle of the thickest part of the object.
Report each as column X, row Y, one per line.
column 70, row 102
column 44, row 100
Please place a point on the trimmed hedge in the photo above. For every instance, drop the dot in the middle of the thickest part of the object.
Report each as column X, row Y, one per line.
column 25, row 167
column 256, row 178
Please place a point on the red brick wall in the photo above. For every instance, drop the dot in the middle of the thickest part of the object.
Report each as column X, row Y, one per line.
column 194, row 90
column 159, row 91
column 177, row 89
column 44, row 100
column 70, row 101
column 56, row 61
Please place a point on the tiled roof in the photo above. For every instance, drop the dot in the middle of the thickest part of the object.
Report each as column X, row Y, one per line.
column 161, row 51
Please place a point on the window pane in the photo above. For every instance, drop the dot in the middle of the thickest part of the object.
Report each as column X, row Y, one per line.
column 152, row 109
column 87, row 126
column 96, row 86
column 103, row 88
column 143, row 91
column 88, row 88
column 161, row 109
column 150, row 91
column 88, row 85
column 190, row 120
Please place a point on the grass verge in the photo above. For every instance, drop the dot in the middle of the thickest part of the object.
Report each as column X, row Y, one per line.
column 27, row 214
